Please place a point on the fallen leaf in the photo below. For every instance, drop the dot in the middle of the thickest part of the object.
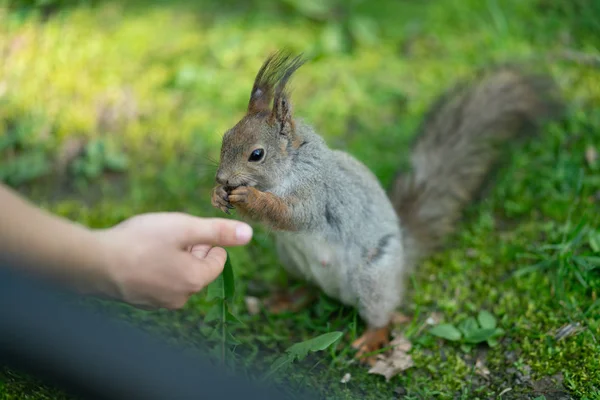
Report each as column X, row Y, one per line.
column 399, row 360
column 567, row 330
column 346, row 378
column 252, row 305
column 401, row 343
column 481, row 369
column 399, row 318
column 591, row 156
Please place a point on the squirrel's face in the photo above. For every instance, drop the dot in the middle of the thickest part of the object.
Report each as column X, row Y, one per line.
column 258, row 150
column 254, row 153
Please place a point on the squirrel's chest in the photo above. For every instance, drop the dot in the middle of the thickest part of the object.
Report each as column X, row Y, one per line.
column 318, row 261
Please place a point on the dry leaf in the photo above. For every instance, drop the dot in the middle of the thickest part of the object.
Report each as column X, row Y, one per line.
column 399, row 360
column 346, row 378
column 567, row 330
column 252, row 305
column 481, row 369
column 591, row 156
column 399, row 318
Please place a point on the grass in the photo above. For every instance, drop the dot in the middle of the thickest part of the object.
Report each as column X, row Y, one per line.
column 109, row 110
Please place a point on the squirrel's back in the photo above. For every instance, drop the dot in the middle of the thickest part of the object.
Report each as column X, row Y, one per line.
column 457, row 145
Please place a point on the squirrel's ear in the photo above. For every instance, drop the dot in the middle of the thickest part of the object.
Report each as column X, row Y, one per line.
column 270, row 84
column 282, row 112
column 262, row 90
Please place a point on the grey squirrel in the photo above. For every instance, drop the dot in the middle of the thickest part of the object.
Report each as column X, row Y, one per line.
column 335, row 224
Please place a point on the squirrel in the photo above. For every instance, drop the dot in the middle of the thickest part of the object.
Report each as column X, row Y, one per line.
column 335, row 225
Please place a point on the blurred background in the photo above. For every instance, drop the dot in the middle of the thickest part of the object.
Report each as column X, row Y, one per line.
column 109, row 109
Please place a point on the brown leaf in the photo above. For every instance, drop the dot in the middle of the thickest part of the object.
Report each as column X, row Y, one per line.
column 568, row 330
column 481, row 369
column 591, row 156
column 399, row 318
column 252, row 305
column 399, row 360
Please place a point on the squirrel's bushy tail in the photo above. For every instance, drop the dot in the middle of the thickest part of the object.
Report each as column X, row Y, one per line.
column 459, row 143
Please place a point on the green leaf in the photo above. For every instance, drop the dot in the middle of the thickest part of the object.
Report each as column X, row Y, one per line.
column 498, row 332
column 468, row 325
column 216, row 289
column 280, row 363
column 215, row 335
column 228, row 280
column 465, row 347
column 231, row 340
column 486, row 320
column 300, row 350
column 224, row 286
column 478, row 335
column 446, row 331
column 232, row 319
column 214, row 313
column 492, row 341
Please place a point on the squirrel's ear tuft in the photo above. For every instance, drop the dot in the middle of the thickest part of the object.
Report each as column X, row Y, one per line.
column 282, row 112
column 271, row 80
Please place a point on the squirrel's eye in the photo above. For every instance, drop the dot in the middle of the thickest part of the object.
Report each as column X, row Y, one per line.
column 257, row 155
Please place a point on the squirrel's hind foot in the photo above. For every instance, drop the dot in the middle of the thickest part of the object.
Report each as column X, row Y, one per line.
column 371, row 341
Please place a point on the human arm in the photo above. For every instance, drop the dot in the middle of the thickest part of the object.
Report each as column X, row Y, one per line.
column 150, row 260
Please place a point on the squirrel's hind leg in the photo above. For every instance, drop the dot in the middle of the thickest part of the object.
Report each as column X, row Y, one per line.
column 380, row 288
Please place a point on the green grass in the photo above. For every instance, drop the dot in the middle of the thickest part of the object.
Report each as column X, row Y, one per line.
column 146, row 91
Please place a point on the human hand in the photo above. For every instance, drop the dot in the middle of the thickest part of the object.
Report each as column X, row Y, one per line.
column 159, row 260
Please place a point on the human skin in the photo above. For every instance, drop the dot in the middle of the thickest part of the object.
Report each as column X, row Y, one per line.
column 154, row 260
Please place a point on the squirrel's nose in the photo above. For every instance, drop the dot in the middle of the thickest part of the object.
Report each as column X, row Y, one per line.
column 221, row 180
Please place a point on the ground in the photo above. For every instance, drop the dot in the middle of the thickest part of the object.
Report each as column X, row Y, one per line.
column 109, row 110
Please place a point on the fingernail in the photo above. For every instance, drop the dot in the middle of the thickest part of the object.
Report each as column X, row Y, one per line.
column 243, row 232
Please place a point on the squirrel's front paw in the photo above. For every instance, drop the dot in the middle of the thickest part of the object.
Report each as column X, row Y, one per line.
column 220, row 199
column 243, row 195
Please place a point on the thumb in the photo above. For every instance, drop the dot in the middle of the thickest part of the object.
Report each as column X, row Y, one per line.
column 214, row 232
column 212, row 265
